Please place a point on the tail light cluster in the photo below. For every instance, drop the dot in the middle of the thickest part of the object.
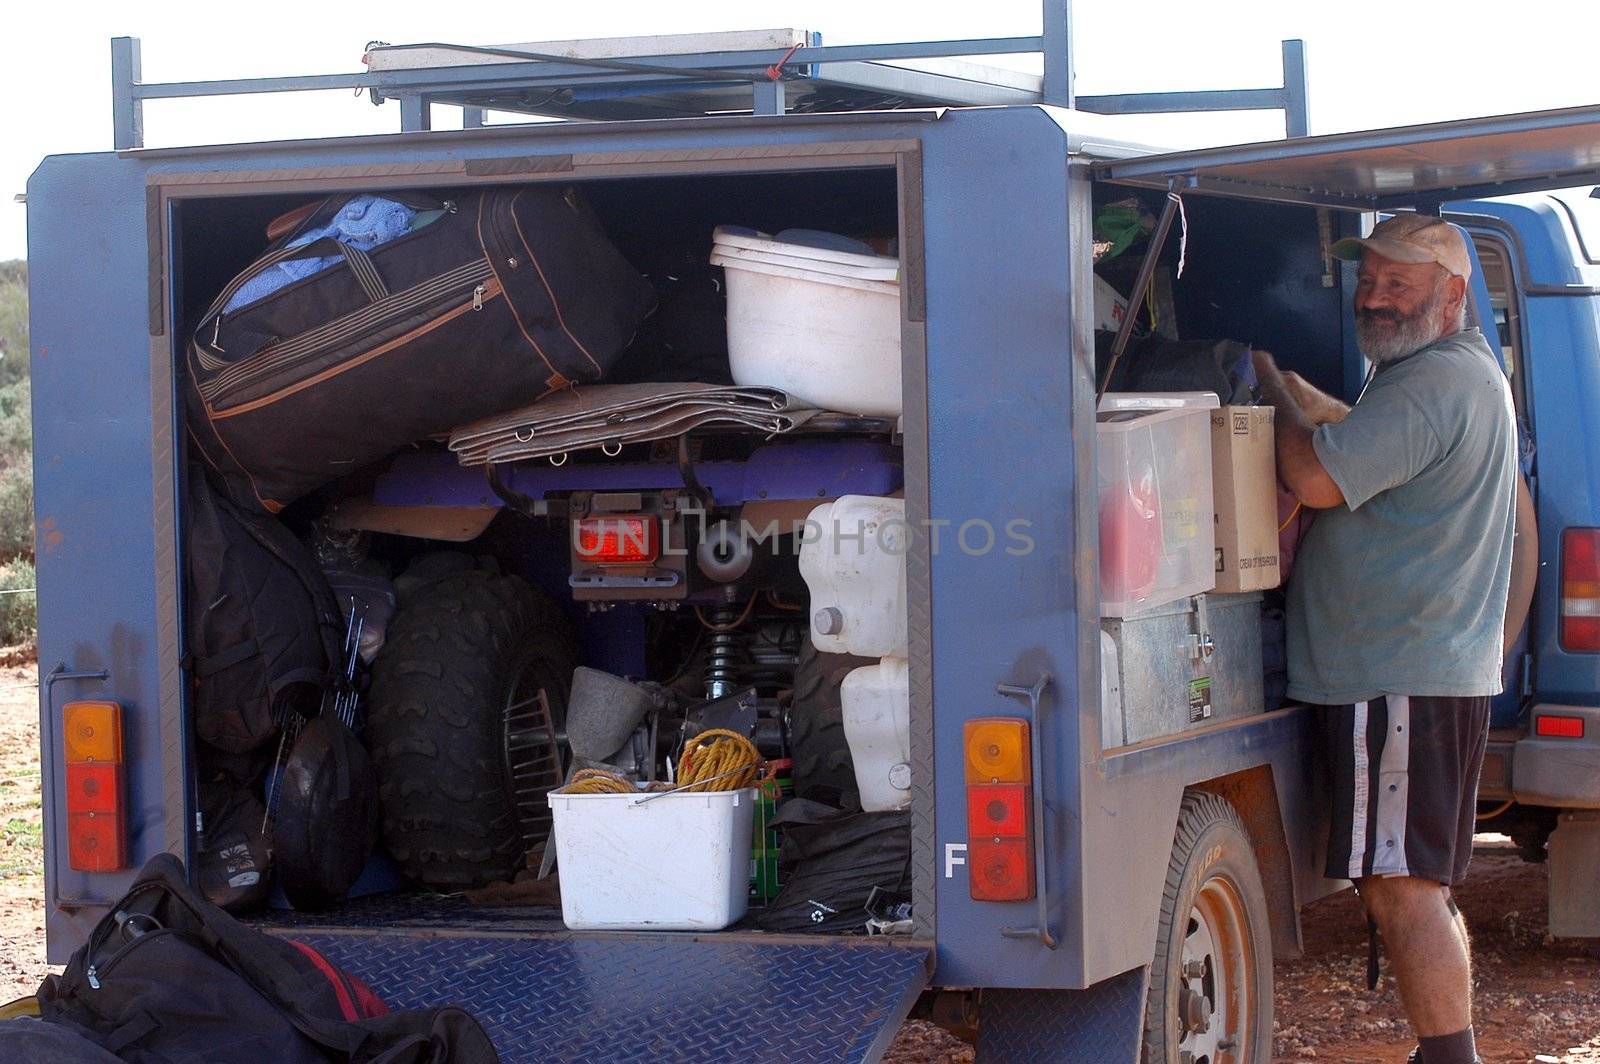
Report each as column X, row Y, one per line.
column 97, row 826
column 1580, row 590
column 619, row 539
column 999, row 777
column 1558, row 726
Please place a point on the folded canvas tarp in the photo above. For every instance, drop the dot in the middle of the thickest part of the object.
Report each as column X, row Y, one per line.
column 609, row 415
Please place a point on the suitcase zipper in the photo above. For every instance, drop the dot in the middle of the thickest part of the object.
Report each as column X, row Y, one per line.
column 491, row 291
column 283, row 357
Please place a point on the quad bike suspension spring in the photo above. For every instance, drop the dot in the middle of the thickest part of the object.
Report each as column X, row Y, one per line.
column 722, row 665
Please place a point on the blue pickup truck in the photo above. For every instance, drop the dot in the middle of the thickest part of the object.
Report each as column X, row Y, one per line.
column 1539, row 258
column 1162, row 870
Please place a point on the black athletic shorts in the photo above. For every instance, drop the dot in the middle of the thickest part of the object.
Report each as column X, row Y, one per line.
column 1404, row 776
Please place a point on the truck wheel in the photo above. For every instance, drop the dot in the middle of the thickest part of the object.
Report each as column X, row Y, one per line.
column 823, row 769
column 458, row 756
column 1210, row 996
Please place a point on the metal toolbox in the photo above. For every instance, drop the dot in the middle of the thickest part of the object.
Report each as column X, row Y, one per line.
column 1180, row 666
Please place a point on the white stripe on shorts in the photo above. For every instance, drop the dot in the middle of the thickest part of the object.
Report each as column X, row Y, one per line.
column 1394, row 785
column 1359, row 796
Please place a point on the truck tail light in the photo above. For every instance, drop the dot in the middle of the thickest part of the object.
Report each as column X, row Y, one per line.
column 1580, row 590
column 618, row 539
column 999, row 779
column 97, row 829
column 1558, row 727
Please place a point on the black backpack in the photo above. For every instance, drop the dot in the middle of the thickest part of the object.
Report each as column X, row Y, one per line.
column 167, row 976
column 262, row 627
column 1157, row 364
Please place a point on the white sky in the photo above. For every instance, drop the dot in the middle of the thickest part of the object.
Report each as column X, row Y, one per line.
column 1372, row 62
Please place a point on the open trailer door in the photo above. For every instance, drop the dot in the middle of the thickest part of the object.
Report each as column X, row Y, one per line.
column 1386, row 169
column 636, row 998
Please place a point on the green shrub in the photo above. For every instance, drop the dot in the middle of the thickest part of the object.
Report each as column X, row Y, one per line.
column 16, row 423
column 16, row 512
column 13, row 322
column 19, row 617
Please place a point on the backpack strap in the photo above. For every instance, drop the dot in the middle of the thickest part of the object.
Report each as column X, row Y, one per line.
column 215, row 663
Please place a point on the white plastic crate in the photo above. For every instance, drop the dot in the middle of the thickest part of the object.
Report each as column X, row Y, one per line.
column 678, row 862
column 822, row 325
column 1157, row 533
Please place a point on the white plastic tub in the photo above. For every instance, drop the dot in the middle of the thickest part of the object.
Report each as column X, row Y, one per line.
column 823, row 325
column 1157, row 524
column 680, row 862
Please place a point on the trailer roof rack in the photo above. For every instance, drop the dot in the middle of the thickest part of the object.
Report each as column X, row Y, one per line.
column 762, row 72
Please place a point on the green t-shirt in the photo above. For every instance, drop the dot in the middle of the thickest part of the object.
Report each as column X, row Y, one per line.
column 1402, row 590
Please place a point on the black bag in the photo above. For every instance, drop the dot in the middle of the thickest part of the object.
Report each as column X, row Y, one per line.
column 232, row 864
column 168, row 976
column 263, row 630
column 1157, row 364
column 830, row 862
column 506, row 295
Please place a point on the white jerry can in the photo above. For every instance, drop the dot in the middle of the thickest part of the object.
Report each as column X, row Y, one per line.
column 853, row 559
column 877, row 724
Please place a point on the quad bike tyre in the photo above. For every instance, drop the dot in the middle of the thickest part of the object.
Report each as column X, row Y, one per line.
column 463, row 649
column 1210, row 995
column 823, row 768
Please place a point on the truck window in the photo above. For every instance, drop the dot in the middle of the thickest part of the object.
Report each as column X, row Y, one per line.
column 1505, row 299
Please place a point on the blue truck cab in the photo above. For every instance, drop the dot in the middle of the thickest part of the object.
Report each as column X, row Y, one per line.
column 1163, row 874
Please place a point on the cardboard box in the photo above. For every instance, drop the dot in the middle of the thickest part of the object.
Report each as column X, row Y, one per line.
column 1244, row 480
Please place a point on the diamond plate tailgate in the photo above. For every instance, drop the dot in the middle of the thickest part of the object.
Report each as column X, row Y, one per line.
column 627, row 998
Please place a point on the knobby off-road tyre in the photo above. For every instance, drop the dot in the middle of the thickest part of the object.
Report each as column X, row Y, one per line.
column 455, row 653
column 823, row 769
column 1210, row 996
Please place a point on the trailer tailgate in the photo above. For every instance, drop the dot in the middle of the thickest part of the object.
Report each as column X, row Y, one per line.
column 650, row 997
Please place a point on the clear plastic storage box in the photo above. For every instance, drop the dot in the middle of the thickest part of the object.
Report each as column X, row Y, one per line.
column 1157, row 538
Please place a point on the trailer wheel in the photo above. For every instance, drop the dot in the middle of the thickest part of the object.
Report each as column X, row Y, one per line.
column 452, row 740
column 1210, row 996
column 823, row 768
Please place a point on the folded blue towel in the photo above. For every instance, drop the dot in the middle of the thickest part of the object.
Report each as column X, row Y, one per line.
column 366, row 222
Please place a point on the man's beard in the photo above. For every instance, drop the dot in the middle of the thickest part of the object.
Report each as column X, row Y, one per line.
column 1401, row 336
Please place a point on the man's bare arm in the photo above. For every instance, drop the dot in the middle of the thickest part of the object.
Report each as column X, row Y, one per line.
column 1319, row 406
column 1298, row 465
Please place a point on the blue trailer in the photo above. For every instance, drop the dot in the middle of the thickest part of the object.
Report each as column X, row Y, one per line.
column 1167, row 872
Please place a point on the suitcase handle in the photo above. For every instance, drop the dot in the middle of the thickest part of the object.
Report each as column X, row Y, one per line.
column 360, row 263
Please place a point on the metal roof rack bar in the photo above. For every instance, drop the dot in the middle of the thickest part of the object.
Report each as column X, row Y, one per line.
column 857, row 76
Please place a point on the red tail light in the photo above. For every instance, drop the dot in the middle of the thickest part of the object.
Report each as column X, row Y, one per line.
column 999, row 808
column 618, row 539
column 1580, row 590
column 1558, row 727
column 97, row 830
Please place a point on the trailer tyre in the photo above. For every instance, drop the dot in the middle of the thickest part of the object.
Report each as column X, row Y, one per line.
column 1210, row 996
column 457, row 655
column 823, row 768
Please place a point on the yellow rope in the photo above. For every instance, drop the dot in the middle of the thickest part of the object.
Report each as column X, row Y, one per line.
column 713, row 753
column 599, row 781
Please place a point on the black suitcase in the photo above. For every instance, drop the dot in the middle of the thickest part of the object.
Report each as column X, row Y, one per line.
column 503, row 297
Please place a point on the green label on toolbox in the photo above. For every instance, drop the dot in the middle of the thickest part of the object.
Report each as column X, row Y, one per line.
column 1199, row 699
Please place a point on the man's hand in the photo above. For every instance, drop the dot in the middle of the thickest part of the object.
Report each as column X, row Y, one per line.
column 1298, row 465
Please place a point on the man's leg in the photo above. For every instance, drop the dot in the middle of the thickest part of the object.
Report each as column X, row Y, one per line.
column 1427, row 946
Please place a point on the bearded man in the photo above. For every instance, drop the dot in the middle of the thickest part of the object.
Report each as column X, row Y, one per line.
column 1398, row 597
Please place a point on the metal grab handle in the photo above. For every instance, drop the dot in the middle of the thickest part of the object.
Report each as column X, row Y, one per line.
column 60, row 673
column 1034, row 696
